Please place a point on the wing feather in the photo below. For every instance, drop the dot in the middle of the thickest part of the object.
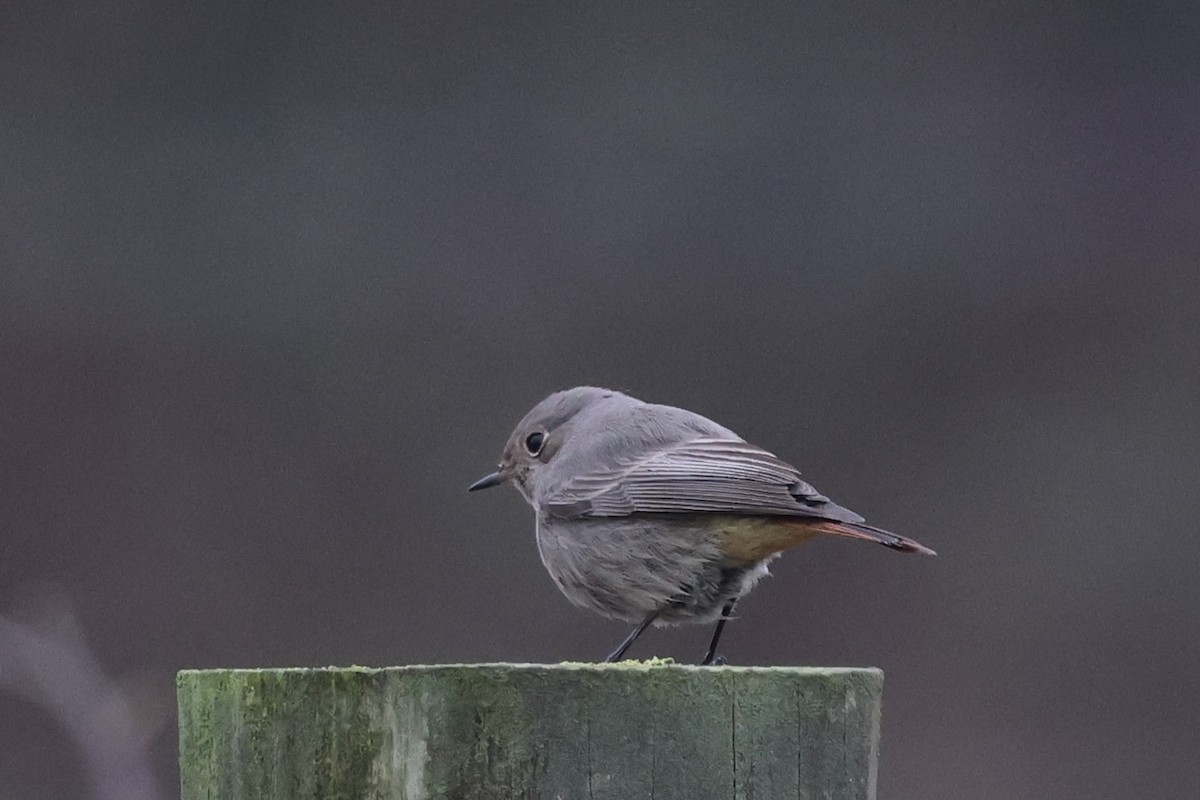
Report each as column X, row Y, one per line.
column 703, row 475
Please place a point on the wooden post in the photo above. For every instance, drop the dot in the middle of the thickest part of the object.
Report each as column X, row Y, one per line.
column 589, row 731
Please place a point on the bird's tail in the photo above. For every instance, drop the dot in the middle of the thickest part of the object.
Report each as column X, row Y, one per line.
column 859, row 530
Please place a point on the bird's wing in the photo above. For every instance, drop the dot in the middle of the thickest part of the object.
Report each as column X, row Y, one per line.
column 703, row 475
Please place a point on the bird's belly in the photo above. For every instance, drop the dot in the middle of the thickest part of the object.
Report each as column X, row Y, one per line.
column 629, row 567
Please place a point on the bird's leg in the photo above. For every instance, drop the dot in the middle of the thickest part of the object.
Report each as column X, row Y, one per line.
column 616, row 655
column 711, row 656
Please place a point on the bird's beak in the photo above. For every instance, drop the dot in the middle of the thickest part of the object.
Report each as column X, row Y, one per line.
column 488, row 481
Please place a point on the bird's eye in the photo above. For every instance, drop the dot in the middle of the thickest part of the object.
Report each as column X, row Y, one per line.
column 534, row 442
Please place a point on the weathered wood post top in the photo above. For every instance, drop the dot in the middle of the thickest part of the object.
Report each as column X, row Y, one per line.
column 590, row 731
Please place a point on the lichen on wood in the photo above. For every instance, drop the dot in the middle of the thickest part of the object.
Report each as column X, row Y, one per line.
column 476, row 732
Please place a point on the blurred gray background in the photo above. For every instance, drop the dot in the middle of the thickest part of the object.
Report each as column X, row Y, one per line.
column 277, row 279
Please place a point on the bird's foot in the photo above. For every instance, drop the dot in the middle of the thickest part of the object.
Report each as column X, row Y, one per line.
column 714, row 660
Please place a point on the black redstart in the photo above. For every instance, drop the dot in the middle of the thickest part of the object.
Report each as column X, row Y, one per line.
column 653, row 514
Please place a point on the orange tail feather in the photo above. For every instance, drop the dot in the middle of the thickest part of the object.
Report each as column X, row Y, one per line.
column 857, row 530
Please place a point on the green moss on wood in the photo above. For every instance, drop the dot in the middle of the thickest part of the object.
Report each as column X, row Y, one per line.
column 511, row 731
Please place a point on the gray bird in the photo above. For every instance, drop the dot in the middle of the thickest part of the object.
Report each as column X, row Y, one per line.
column 653, row 514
